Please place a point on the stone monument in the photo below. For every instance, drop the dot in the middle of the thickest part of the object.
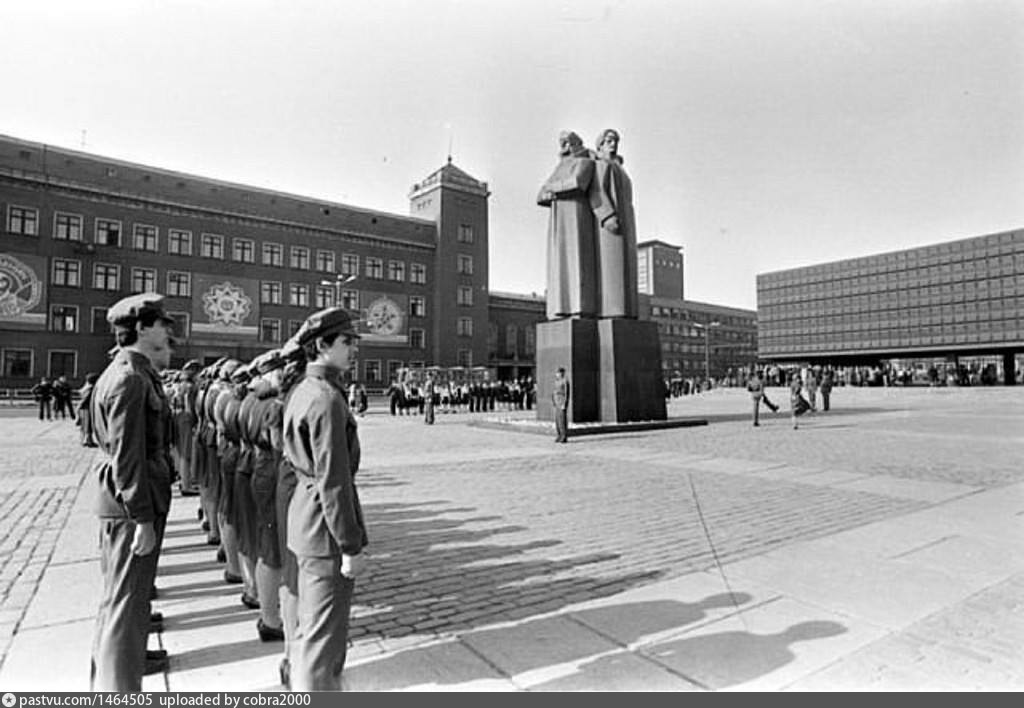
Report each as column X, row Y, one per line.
column 612, row 358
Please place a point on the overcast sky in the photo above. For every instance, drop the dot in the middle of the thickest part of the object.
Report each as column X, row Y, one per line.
column 759, row 134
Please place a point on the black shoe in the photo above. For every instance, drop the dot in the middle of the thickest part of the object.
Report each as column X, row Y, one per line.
column 232, row 579
column 269, row 634
column 222, row 557
column 251, row 602
column 156, row 617
column 205, row 526
column 157, row 666
column 284, row 670
column 199, row 515
column 156, row 654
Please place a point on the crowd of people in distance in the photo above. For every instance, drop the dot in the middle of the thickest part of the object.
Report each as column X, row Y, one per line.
column 410, row 397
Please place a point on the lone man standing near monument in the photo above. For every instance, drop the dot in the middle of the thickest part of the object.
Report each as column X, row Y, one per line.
column 560, row 400
column 572, row 247
column 611, row 198
column 131, row 419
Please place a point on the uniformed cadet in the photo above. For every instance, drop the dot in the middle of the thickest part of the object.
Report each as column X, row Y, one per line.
column 225, row 408
column 325, row 521
column 245, row 505
column 131, row 422
column 294, row 369
column 428, row 398
column 205, row 451
column 264, row 431
column 183, row 409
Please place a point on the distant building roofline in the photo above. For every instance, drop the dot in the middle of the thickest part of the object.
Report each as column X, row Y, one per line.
column 658, row 242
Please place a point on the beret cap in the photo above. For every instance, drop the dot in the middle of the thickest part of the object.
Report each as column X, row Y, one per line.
column 327, row 321
column 127, row 311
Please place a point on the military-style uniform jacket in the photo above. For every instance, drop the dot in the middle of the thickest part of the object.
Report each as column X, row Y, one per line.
column 131, row 424
column 322, row 443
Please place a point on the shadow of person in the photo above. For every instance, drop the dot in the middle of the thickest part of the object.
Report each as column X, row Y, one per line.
column 481, row 657
column 711, row 661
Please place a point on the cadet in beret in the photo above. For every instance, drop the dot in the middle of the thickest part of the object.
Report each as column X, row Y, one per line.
column 183, row 409
column 325, row 521
column 225, row 414
column 206, row 464
column 245, row 505
column 130, row 421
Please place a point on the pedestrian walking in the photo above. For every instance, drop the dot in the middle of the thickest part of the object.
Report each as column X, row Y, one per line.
column 811, row 386
column 798, row 404
column 755, row 386
column 84, row 419
column 560, row 401
column 325, row 520
column 826, row 389
column 130, row 419
column 42, row 392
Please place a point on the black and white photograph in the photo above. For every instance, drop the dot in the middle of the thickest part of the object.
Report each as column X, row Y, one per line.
column 510, row 346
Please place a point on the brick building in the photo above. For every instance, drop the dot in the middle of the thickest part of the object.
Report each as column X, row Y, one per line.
column 241, row 266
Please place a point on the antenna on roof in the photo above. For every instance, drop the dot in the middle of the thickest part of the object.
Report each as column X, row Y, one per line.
column 451, row 138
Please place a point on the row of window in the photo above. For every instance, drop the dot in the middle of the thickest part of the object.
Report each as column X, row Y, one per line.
column 693, row 316
column 22, row 220
column 67, row 272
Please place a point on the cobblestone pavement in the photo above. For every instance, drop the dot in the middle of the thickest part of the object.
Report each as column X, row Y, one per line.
column 472, row 526
column 41, row 469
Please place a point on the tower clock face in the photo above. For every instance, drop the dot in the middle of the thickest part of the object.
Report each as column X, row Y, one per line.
column 383, row 316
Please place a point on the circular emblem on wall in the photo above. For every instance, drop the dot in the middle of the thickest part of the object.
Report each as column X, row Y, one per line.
column 20, row 289
column 227, row 304
column 383, row 316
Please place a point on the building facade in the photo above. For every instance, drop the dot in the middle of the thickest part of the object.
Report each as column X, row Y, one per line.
column 948, row 300
column 512, row 334
column 241, row 267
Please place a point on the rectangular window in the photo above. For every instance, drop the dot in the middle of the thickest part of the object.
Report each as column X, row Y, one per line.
column 464, row 295
column 349, row 264
column 211, row 246
column 144, row 238
column 108, row 232
column 464, row 327
column 270, row 330
column 180, row 327
column 465, row 233
column 374, row 268
column 17, row 363
column 63, row 318
column 350, row 299
column 99, row 321
column 179, row 242
column 298, row 257
column 22, row 220
column 393, row 366
column 396, row 271
column 106, row 276
column 416, row 338
column 67, row 273
column 418, row 274
column 270, row 292
column 530, row 345
column 511, row 339
column 67, row 227
column 243, row 250
column 179, row 284
column 63, row 363
column 417, row 306
column 273, row 254
column 465, row 357
column 324, row 296
column 325, row 261
column 298, row 294
column 143, row 280
column 371, row 370
column 293, row 327
column 465, row 264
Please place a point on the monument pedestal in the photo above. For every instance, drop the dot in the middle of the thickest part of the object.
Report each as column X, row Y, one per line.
column 571, row 344
column 613, row 367
column 631, row 381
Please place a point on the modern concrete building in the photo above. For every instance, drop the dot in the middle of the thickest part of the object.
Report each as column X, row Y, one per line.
column 949, row 300
column 241, row 266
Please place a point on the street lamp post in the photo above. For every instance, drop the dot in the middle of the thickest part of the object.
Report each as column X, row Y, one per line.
column 707, row 345
column 340, row 281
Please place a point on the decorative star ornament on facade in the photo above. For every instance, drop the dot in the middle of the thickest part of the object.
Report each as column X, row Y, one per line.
column 227, row 304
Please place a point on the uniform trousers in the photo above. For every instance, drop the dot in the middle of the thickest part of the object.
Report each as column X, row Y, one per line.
column 122, row 622
column 561, row 424
column 325, row 599
column 286, row 483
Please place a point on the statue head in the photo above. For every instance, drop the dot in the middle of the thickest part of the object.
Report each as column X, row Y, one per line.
column 569, row 143
column 608, row 142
